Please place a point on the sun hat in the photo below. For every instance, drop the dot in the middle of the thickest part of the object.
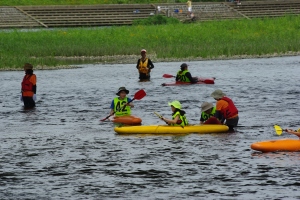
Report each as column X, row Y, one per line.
column 28, row 66
column 122, row 89
column 206, row 106
column 175, row 104
column 143, row 50
column 217, row 94
column 183, row 65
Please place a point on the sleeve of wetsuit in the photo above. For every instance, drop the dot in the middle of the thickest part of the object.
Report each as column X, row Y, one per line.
column 150, row 64
column 218, row 115
column 137, row 65
column 189, row 76
column 34, row 89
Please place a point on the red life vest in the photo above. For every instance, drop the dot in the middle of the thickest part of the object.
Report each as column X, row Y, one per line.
column 26, row 84
column 230, row 110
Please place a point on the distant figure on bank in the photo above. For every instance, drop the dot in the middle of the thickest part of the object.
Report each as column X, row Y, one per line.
column 144, row 65
column 189, row 6
column 225, row 109
column 28, row 87
column 208, row 111
column 183, row 75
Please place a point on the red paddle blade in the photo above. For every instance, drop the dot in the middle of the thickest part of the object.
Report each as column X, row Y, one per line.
column 140, row 94
column 209, row 81
column 168, row 76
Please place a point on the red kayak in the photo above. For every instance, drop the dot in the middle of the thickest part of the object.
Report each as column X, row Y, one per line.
column 201, row 80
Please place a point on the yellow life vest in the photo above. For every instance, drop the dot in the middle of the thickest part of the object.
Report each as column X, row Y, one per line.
column 183, row 119
column 182, row 77
column 119, row 108
column 143, row 66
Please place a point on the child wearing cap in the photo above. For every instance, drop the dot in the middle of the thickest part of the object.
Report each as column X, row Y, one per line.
column 225, row 109
column 28, row 87
column 118, row 103
column 144, row 66
column 178, row 115
column 183, row 75
column 208, row 111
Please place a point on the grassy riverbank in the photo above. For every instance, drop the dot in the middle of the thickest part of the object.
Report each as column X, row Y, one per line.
column 207, row 40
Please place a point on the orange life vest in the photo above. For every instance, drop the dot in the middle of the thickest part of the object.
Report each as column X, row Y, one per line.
column 26, row 84
column 230, row 110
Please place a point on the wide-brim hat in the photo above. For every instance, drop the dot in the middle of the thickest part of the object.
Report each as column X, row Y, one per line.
column 122, row 89
column 176, row 104
column 27, row 66
column 217, row 94
column 206, row 106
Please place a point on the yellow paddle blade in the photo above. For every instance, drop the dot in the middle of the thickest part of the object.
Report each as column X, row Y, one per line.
column 278, row 129
column 298, row 130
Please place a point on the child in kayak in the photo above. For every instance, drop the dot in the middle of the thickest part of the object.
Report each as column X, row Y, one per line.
column 178, row 115
column 118, row 103
column 208, row 111
column 183, row 75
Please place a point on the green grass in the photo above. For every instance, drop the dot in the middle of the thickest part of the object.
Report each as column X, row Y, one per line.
column 207, row 40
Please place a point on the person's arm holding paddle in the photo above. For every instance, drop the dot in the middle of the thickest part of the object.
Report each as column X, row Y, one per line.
column 293, row 132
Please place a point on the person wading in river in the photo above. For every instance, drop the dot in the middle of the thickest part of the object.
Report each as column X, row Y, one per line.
column 144, row 65
column 28, row 87
column 225, row 109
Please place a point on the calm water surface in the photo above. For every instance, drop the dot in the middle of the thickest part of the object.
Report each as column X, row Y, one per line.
column 61, row 150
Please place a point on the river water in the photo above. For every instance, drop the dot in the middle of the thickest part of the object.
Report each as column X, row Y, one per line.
column 60, row 149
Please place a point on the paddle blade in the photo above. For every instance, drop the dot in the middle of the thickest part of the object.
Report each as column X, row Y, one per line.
column 207, row 81
column 140, row 94
column 168, row 76
column 278, row 129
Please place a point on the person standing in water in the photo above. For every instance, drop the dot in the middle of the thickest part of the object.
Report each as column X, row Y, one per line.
column 144, row 65
column 28, row 87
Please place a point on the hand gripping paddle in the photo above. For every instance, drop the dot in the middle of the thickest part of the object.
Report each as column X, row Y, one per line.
column 138, row 96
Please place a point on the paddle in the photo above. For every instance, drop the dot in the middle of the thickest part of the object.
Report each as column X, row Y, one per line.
column 161, row 117
column 207, row 81
column 138, row 96
column 279, row 130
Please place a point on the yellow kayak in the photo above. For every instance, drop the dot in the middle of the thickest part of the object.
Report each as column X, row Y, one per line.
column 161, row 129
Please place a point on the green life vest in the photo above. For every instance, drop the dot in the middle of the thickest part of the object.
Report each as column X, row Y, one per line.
column 182, row 77
column 206, row 116
column 183, row 119
column 119, row 108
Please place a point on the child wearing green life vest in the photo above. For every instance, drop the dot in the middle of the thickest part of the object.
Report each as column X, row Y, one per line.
column 119, row 105
column 178, row 115
column 208, row 111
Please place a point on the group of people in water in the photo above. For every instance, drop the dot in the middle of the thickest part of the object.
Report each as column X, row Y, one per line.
column 224, row 112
